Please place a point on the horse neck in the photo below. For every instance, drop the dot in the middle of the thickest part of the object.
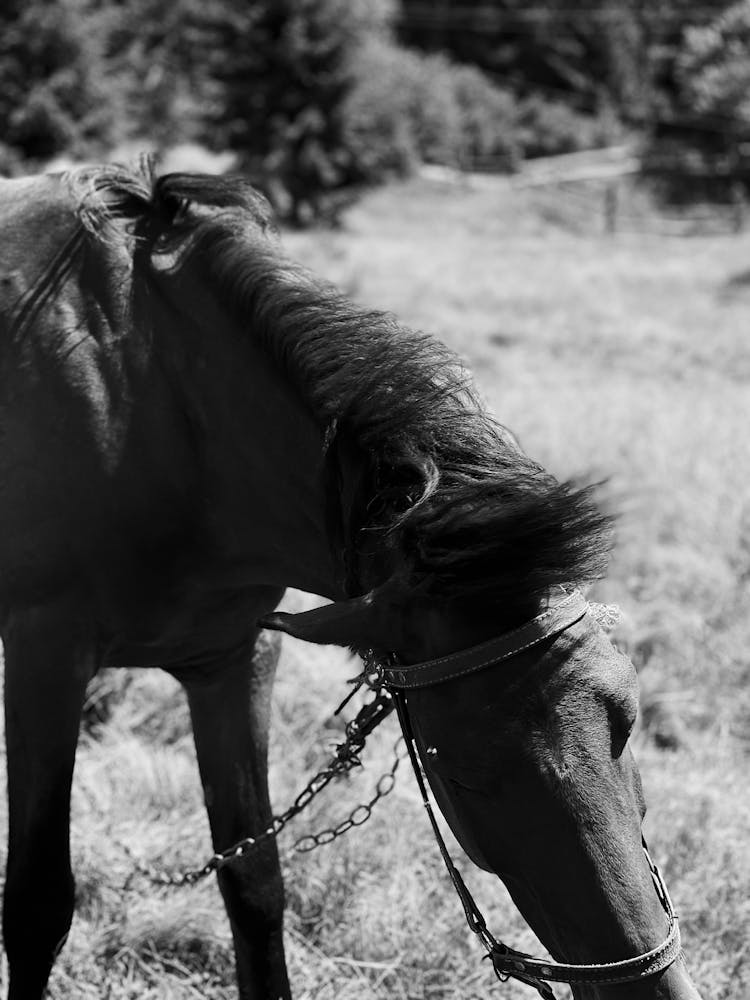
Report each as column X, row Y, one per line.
column 261, row 460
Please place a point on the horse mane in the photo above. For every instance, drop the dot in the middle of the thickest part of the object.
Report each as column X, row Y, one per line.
column 447, row 488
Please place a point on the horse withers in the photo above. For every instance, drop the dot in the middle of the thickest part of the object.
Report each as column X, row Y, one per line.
column 189, row 423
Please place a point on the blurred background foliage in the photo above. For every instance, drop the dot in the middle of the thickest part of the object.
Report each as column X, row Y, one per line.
column 317, row 98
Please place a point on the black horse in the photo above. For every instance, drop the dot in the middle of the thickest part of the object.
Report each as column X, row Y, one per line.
column 189, row 423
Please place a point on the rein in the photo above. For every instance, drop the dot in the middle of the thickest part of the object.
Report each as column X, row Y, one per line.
column 508, row 963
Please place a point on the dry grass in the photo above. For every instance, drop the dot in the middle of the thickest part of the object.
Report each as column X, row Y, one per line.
column 625, row 357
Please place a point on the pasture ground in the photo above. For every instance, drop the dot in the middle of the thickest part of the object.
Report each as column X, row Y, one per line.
column 626, row 358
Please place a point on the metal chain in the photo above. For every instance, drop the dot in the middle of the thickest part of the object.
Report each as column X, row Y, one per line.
column 345, row 758
column 361, row 813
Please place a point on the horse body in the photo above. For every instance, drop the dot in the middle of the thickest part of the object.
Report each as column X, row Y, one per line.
column 137, row 531
column 187, row 426
column 128, row 471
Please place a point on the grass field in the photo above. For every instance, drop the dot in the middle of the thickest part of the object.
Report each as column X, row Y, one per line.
column 626, row 358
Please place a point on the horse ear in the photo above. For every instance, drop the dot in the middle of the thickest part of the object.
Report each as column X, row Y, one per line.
column 356, row 622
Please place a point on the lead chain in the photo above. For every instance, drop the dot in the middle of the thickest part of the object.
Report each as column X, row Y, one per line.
column 361, row 813
column 345, row 759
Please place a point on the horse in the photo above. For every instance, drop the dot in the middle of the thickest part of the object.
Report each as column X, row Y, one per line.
column 189, row 424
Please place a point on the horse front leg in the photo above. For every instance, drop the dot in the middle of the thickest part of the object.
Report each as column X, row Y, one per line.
column 230, row 714
column 48, row 661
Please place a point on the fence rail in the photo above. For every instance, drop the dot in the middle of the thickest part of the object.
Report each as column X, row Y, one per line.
column 598, row 182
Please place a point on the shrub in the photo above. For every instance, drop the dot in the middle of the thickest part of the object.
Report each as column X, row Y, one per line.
column 489, row 119
column 406, row 108
column 398, row 113
column 549, row 128
column 378, row 133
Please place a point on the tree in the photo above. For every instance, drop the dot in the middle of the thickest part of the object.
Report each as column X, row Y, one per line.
column 285, row 69
column 714, row 69
column 159, row 67
column 695, row 149
column 568, row 49
column 51, row 81
column 589, row 54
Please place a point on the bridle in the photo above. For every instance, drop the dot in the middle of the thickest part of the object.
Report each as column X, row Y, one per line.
column 508, row 963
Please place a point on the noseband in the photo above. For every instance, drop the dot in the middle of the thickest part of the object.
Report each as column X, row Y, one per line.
column 507, row 962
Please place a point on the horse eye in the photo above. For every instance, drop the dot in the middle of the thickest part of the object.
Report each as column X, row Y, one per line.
column 622, row 710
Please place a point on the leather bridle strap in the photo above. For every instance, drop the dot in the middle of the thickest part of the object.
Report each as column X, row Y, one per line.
column 474, row 917
column 626, row 971
column 507, row 962
column 550, row 623
column 511, row 964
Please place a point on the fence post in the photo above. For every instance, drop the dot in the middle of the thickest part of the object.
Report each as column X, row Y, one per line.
column 738, row 205
column 610, row 208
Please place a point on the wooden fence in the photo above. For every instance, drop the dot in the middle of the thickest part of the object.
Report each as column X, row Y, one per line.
column 597, row 184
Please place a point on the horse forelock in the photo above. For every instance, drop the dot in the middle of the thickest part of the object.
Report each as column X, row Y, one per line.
column 472, row 516
column 111, row 199
column 102, row 202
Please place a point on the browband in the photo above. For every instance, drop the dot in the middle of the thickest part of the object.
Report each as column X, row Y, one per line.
column 546, row 625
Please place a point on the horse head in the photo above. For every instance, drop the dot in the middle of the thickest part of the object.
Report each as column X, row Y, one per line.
column 524, row 741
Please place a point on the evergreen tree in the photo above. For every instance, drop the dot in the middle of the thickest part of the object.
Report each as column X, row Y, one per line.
column 53, row 97
column 156, row 59
column 285, row 69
